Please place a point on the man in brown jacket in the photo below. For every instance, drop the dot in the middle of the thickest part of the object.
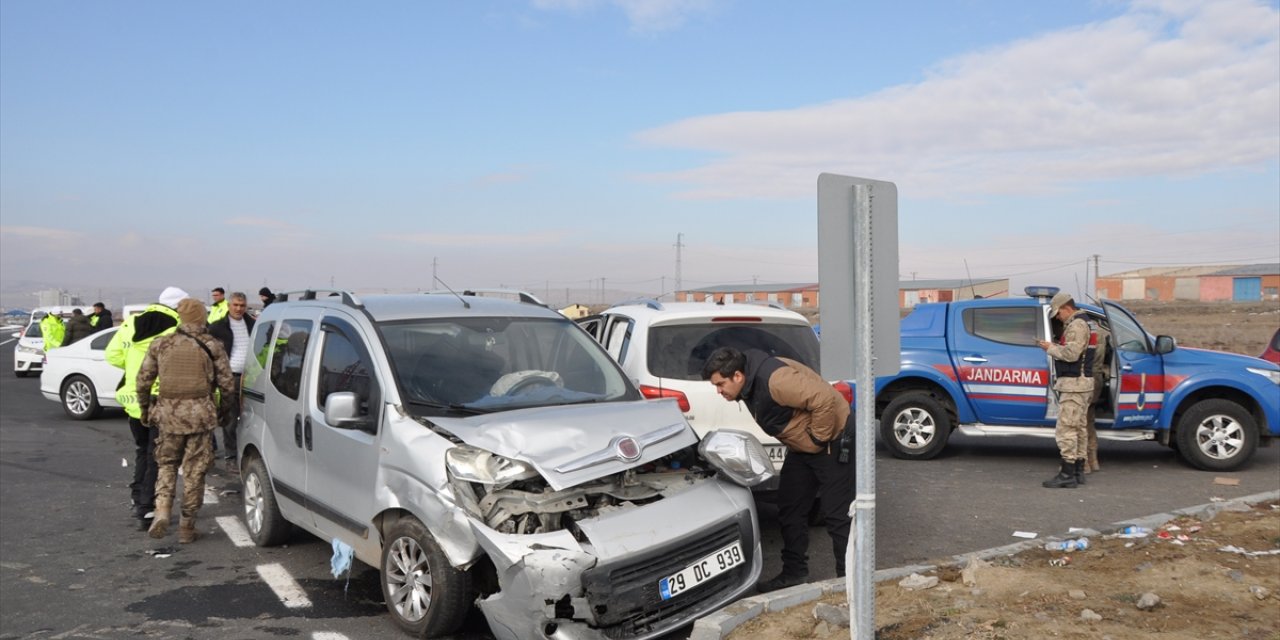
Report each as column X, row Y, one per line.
column 192, row 366
column 792, row 403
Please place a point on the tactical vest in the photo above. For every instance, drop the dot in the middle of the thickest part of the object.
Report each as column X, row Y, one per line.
column 1082, row 367
column 186, row 371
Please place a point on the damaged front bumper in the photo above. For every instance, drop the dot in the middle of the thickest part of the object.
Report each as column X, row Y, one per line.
column 607, row 585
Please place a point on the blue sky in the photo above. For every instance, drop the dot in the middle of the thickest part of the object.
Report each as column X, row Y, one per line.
column 549, row 144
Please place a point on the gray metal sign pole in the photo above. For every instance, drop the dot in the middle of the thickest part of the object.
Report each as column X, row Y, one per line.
column 858, row 269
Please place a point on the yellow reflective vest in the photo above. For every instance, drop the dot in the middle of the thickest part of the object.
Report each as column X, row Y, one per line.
column 218, row 311
column 129, row 346
column 52, row 329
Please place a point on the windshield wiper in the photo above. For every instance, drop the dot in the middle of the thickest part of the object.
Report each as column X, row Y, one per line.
column 456, row 408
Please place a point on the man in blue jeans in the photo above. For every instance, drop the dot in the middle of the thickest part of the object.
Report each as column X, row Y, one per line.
column 792, row 403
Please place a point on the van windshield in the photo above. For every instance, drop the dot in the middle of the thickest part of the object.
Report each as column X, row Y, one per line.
column 500, row 363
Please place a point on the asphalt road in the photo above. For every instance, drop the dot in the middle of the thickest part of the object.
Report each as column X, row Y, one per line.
column 71, row 565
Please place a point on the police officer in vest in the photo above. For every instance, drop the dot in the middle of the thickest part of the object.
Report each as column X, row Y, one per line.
column 127, row 349
column 1073, row 359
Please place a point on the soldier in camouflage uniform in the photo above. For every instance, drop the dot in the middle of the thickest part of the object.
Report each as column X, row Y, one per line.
column 1073, row 364
column 194, row 371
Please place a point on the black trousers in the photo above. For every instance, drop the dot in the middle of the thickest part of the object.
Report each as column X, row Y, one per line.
column 804, row 478
column 230, row 450
column 143, row 488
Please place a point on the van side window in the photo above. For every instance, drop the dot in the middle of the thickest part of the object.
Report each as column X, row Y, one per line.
column 262, row 338
column 290, row 349
column 346, row 366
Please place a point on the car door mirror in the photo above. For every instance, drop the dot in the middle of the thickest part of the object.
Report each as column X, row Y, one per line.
column 1165, row 344
column 342, row 409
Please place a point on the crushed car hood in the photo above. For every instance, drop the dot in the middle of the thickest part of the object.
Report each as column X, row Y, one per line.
column 573, row 444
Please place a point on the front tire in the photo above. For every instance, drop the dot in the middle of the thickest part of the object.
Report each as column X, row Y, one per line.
column 1217, row 435
column 261, row 513
column 79, row 400
column 425, row 595
column 915, row 426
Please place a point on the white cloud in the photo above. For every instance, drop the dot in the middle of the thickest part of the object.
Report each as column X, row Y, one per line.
column 643, row 15
column 1167, row 88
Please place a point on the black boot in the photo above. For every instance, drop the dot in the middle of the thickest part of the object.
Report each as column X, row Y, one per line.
column 1066, row 478
column 1080, row 471
column 782, row 581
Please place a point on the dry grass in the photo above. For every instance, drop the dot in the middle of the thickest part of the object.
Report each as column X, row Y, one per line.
column 1221, row 326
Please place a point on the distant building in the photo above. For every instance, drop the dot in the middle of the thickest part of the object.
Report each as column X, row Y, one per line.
column 57, row 298
column 1208, row 283
column 575, row 311
column 805, row 295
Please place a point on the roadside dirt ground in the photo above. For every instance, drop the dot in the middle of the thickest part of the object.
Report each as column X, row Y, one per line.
column 1204, row 590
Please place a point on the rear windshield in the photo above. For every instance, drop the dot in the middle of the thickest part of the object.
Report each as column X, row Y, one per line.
column 679, row 351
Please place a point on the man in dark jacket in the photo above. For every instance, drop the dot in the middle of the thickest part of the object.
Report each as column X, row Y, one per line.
column 78, row 327
column 100, row 318
column 792, row 403
column 233, row 332
column 265, row 295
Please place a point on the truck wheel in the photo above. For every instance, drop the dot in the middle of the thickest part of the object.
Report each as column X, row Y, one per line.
column 1217, row 435
column 426, row 596
column 915, row 426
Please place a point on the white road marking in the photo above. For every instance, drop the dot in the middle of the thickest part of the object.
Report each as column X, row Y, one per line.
column 283, row 584
column 235, row 531
column 327, row 635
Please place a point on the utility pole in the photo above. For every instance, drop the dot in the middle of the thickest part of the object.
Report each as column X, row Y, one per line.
column 679, row 246
column 602, row 298
column 1095, row 274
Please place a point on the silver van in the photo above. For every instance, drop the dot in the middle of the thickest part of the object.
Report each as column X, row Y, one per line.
column 489, row 452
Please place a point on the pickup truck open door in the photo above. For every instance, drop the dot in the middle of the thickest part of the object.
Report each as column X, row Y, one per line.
column 1137, row 382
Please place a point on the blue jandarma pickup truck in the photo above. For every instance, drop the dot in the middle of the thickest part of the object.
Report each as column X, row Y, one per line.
column 973, row 366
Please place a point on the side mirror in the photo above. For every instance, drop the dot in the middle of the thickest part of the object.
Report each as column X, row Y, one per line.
column 342, row 409
column 1165, row 344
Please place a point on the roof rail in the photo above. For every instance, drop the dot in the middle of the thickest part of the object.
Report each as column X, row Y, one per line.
column 522, row 296
column 648, row 302
column 348, row 298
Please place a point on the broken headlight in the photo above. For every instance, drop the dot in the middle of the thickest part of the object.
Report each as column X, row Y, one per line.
column 738, row 455
column 473, row 464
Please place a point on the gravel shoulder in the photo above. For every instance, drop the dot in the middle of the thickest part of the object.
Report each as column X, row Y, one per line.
column 1212, row 574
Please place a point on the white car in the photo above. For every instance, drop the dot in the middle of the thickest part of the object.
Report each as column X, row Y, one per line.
column 28, row 353
column 663, row 345
column 79, row 377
